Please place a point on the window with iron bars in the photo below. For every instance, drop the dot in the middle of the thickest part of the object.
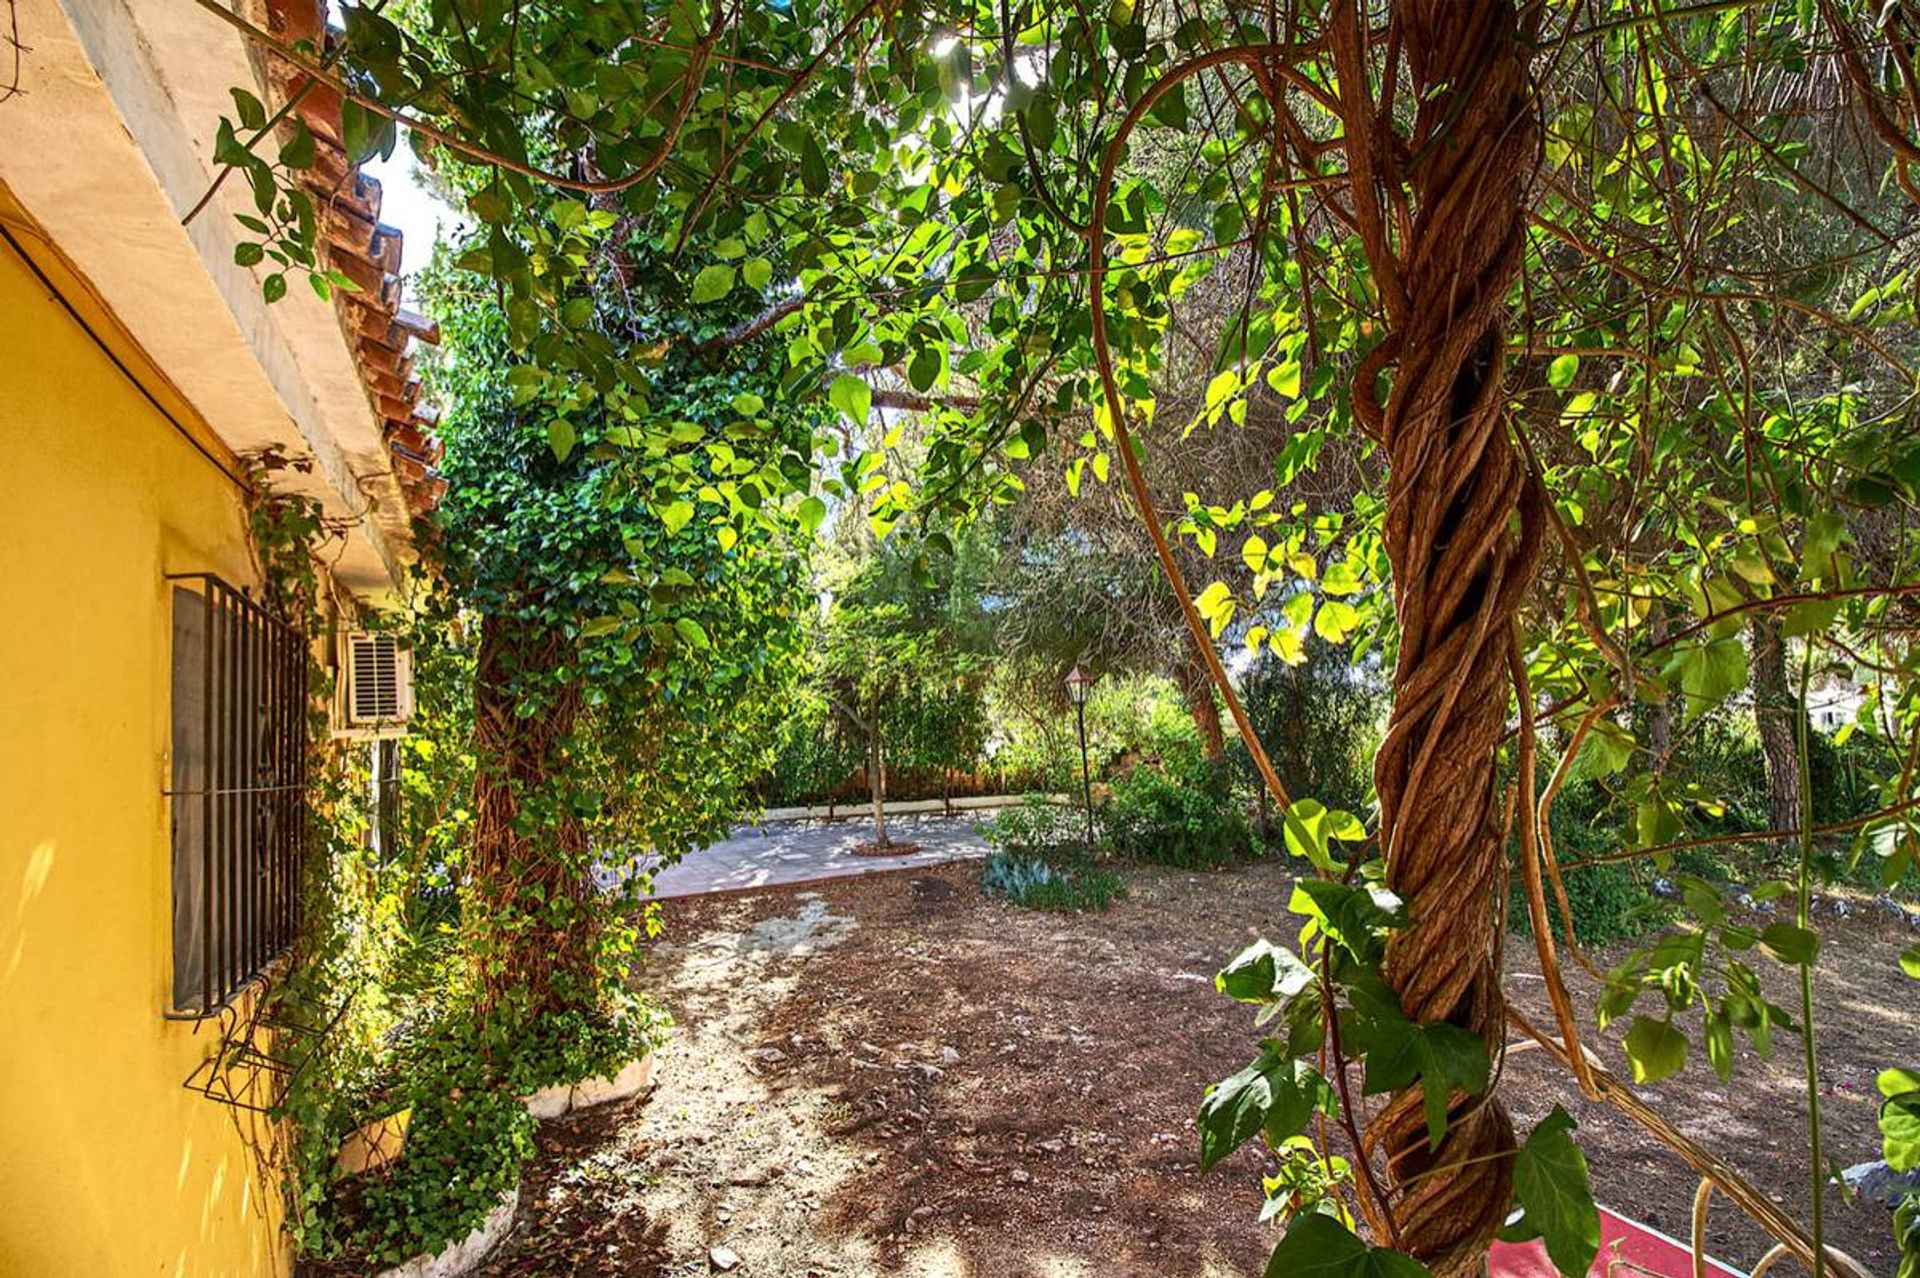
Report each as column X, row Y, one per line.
column 238, row 794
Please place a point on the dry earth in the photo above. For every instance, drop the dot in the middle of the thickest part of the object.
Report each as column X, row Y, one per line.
column 896, row 1075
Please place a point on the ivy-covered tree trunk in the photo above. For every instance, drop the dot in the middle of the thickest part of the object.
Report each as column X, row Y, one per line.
column 528, row 917
column 1775, row 709
column 1462, row 530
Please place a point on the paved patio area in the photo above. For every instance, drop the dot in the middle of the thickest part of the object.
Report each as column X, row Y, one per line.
column 785, row 852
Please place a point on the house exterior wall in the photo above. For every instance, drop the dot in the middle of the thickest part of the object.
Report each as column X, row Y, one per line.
column 108, row 1166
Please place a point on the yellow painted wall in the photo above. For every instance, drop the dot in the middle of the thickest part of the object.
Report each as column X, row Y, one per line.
column 108, row 1167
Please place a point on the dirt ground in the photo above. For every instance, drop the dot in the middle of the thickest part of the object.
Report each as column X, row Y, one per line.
column 895, row 1075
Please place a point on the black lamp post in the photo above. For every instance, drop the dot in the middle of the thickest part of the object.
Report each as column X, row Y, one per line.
column 1078, row 683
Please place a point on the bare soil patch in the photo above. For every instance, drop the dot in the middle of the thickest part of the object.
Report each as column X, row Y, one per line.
column 897, row 1075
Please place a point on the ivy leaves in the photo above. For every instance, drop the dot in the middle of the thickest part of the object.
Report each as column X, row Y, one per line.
column 1318, row 1246
column 1274, row 1095
column 1400, row 1052
column 1264, row 973
column 1655, row 1049
column 1310, row 828
column 1679, row 969
column 1550, row 1182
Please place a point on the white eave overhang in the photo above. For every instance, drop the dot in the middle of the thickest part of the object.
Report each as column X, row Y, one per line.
column 108, row 146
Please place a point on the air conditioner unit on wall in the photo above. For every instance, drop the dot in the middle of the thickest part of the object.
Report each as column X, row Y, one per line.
column 373, row 695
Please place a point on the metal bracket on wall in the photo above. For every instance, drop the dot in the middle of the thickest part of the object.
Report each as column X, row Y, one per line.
column 260, row 1056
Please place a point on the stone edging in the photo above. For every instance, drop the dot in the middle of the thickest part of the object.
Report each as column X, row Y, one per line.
column 459, row 1257
column 551, row 1102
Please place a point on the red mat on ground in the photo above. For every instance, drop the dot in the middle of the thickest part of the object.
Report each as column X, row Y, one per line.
column 1628, row 1249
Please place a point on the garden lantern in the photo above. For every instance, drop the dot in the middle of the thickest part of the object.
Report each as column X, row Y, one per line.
column 1079, row 682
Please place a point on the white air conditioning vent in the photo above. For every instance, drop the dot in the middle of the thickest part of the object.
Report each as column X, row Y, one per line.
column 375, row 687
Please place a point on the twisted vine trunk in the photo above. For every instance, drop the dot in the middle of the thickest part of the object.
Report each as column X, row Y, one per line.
column 1462, row 530
column 527, row 913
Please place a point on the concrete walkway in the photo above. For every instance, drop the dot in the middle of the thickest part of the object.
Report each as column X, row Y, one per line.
column 801, row 851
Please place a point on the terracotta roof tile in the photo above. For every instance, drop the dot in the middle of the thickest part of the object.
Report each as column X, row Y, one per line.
column 367, row 251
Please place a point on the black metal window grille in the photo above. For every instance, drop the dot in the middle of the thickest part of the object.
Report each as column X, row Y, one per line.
column 239, row 790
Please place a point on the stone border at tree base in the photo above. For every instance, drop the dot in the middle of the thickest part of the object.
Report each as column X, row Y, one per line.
column 460, row 1257
column 551, row 1102
column 373, row 1145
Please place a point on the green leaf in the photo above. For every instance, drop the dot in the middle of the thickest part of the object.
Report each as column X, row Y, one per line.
column 713, row 283
column 1900, row 1131
column 1276, row 1094
column 757, row 272
column 813, row 166
column 248, row 253
column 923, row 370
column 561, row 437
column 1655, row 1049
column 1335, row 620
column 274, row 287
column 1718, row 1032
column 1355, row 918
column 1264, row 973
column 297, row 152
column 1309, row 825
column 676, row 515
column 852, row 396
column 813, row 512
column 362, row 132
column 1789, row 944
column 1892, row 1082
column 1340, row 579
column 227, row 149
column 692, row 632
column 1550, row 1183
column 1910, row 960
column 1709, row 673
column 252, row 114
column 1440, row 1057
column 1560, row 372
column 1318, row 1246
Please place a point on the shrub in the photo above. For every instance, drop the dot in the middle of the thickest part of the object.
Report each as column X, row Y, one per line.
column 1041, row 860
column 1038, row 827
column 464, row 1150
column 1039, row 884
column 1188, row 819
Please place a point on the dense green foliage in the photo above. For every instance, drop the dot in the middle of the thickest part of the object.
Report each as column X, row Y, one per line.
column 1187, row 818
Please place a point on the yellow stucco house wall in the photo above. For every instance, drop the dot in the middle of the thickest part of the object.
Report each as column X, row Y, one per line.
column 108, row 1165
column 146, row 388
